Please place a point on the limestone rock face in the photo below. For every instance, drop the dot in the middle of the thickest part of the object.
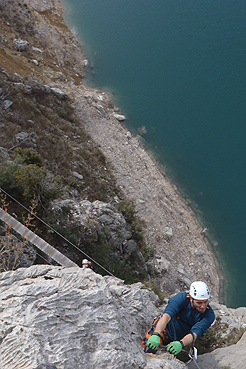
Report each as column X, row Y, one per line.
column 105, row 219
column 41, row 5
column 72, row 318
column 232, row 357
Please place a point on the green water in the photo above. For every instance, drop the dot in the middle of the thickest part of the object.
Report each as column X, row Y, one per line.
column 177, row 67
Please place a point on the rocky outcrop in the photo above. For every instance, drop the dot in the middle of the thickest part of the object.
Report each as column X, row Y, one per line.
column 73, row 318
column 170, row 226
column 119, row 117
column 102, row 220
column 58, row 318
column 230, row 318
column 232, row 357
column 42, row 5
column 21, row 45
column 63, row 318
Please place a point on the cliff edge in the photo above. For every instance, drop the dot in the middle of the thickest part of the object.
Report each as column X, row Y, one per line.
column 63, row 318
column 36, row 43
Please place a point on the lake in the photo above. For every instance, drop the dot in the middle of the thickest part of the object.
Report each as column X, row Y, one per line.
column 177, row 67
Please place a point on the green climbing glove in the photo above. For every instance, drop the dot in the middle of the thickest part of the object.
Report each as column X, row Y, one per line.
column 175, row 347
column 154, row 342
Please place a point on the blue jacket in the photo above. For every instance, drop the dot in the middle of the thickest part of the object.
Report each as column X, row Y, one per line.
column 188, row 319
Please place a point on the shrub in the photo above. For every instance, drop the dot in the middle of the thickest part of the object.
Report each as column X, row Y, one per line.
column 30, row 178
column 35, row 182
column 128, row 210
column 7, row 181
column 11, row 247
column 213, row 339
column 155, row 287
column 62, row 112
column 27, row 156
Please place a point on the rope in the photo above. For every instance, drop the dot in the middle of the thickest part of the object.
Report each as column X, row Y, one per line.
column 59, row 234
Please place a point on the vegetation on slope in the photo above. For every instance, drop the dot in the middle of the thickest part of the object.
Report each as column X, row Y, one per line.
column 46, row 152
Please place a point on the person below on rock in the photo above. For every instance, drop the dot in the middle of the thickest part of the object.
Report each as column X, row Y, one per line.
column 186, row 317
column 86, row 264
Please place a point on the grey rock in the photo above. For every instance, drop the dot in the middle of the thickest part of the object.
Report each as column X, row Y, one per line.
column 74, row 317
column 240, row 312
column 37, row 50
column 59, row 93
column 46, row 366
column 30, row 139
column 35, row 62
column 164, row 361
column 102, row 217
column 129, row 247
column 119, row 117
column 102, row 220
column 168, row 233
column 200, row 253
column 40, row 5
column 21, row 45
column 22, row 136
column 47, row 89
column 129, row 135
column 7, row 104
column 78, row 176
column 161, row 264
column 232, row 357
column 181, row 269
column 63, row 318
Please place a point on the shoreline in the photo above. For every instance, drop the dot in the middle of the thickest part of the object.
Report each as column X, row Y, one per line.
column 192, row 206
column 182, row 252
column 158, row 201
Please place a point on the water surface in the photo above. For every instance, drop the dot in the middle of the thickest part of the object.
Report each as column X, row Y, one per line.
column 177, row 67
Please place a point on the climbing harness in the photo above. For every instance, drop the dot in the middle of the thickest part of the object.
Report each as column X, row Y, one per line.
column 163, row 336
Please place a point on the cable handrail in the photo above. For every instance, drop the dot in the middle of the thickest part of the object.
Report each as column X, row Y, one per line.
column 58, row 233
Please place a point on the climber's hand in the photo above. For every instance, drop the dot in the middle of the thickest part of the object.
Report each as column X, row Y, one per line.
column 154, row 342
column 175, row 347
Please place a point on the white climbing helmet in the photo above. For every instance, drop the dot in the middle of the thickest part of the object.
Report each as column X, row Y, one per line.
column 84, row 262
column 199, row 291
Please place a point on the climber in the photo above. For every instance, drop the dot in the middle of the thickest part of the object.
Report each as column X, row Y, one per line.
column 186, row 317
column 86, row 264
